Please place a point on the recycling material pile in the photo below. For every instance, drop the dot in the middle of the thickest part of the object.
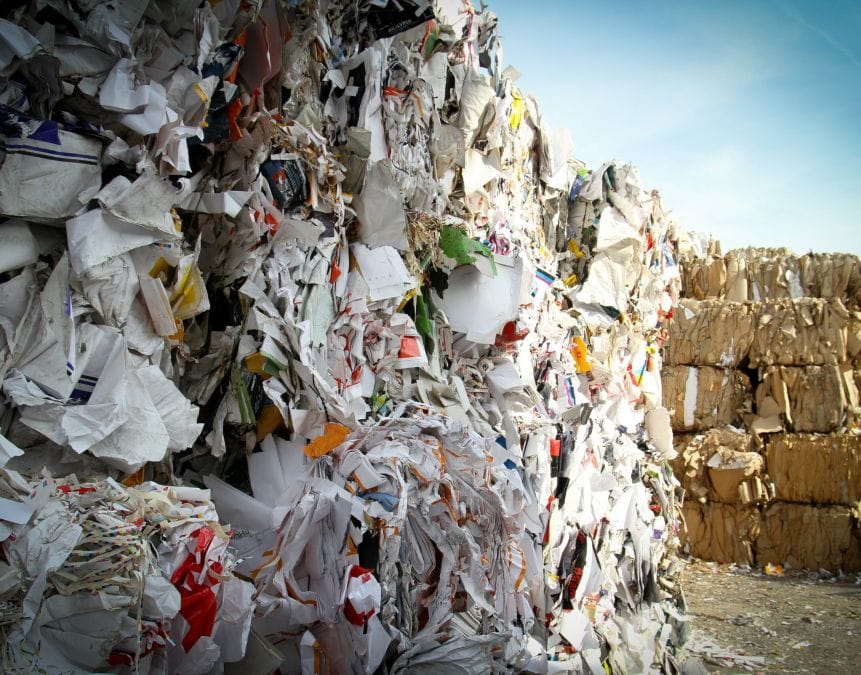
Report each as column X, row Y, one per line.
column 762, row 376
column 321, row 353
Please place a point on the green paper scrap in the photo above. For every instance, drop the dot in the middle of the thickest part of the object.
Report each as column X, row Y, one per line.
column 378, row 401
column 243, row 398
column 456, row 245
column 423, row 323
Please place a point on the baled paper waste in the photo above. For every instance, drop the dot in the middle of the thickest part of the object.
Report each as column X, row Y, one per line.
column 327, row 261
column 794, row 494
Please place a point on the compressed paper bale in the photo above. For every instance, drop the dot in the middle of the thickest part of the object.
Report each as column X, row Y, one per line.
column 773, row 278
column 807, row 331
column 689, row 466
column 756, row 274
column 710, row 333
column 853, row 339
column 760, row 274
column 831, row 275
column 704, row 397
column 736, row 278
column 852, row 393
column 730, row 471
column 776, row 273
column 812, row 469
column 737, row 464
column 721, row 532
column 811, row 398
column 813, row 537
column 681, row 441
column 703, row 278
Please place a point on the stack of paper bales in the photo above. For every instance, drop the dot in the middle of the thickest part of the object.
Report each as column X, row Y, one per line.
column 784, row 331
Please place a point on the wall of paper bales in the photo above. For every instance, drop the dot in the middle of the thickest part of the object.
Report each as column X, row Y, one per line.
column 320, row 352
column 762, row 378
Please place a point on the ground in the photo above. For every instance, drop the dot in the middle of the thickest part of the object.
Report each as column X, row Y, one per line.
column 745, row 621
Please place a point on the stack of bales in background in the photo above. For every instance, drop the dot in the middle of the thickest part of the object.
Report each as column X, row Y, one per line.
column 761, row 379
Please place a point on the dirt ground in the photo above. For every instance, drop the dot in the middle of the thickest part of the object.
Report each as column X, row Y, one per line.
column 744, row 621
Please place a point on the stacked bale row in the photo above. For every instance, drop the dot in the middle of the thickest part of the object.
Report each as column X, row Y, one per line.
column 762, row 385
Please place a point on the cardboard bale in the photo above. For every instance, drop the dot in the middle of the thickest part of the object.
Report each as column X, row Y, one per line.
column 703, row 278
column 853, row 339
column 755, row 274
column 772, row 274
column 812, row 537
column 813, row 469
column 850, row 390
column 681, row 441
column 689, row 466
column 806, row 331
column 721, row 532
column 710, row 333
column 700, row 398
column 759, row 274
column 812, row 399
column 831, row 275
column 737, row 477
column 736, row 278
column 721, row 466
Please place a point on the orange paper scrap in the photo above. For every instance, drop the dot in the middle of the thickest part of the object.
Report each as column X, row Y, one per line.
column 331, row 438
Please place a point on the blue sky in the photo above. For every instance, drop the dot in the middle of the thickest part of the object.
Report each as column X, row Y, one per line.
column 745, row 115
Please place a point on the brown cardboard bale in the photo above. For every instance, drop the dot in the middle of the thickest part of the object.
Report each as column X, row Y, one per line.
column 814, row 469
column 813, row 537
column 681, row 441
column 852, row 394
column 736, row 278
column 755, row 274
column 806, row 331
column 702, row 397
column 710, row 333
column 811, row 398
column 689, row 467
column 736, row 471
column 720, row 532
column 853, row 340
column 720, row 466
column 759, row 274
column 831, row 275
column 736, row 477
column 773, row 277
column 703, row 278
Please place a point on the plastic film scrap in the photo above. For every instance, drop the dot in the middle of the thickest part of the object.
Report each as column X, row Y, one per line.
column 321, row 353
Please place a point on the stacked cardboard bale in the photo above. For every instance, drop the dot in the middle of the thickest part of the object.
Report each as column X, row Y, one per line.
column 761, row 383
